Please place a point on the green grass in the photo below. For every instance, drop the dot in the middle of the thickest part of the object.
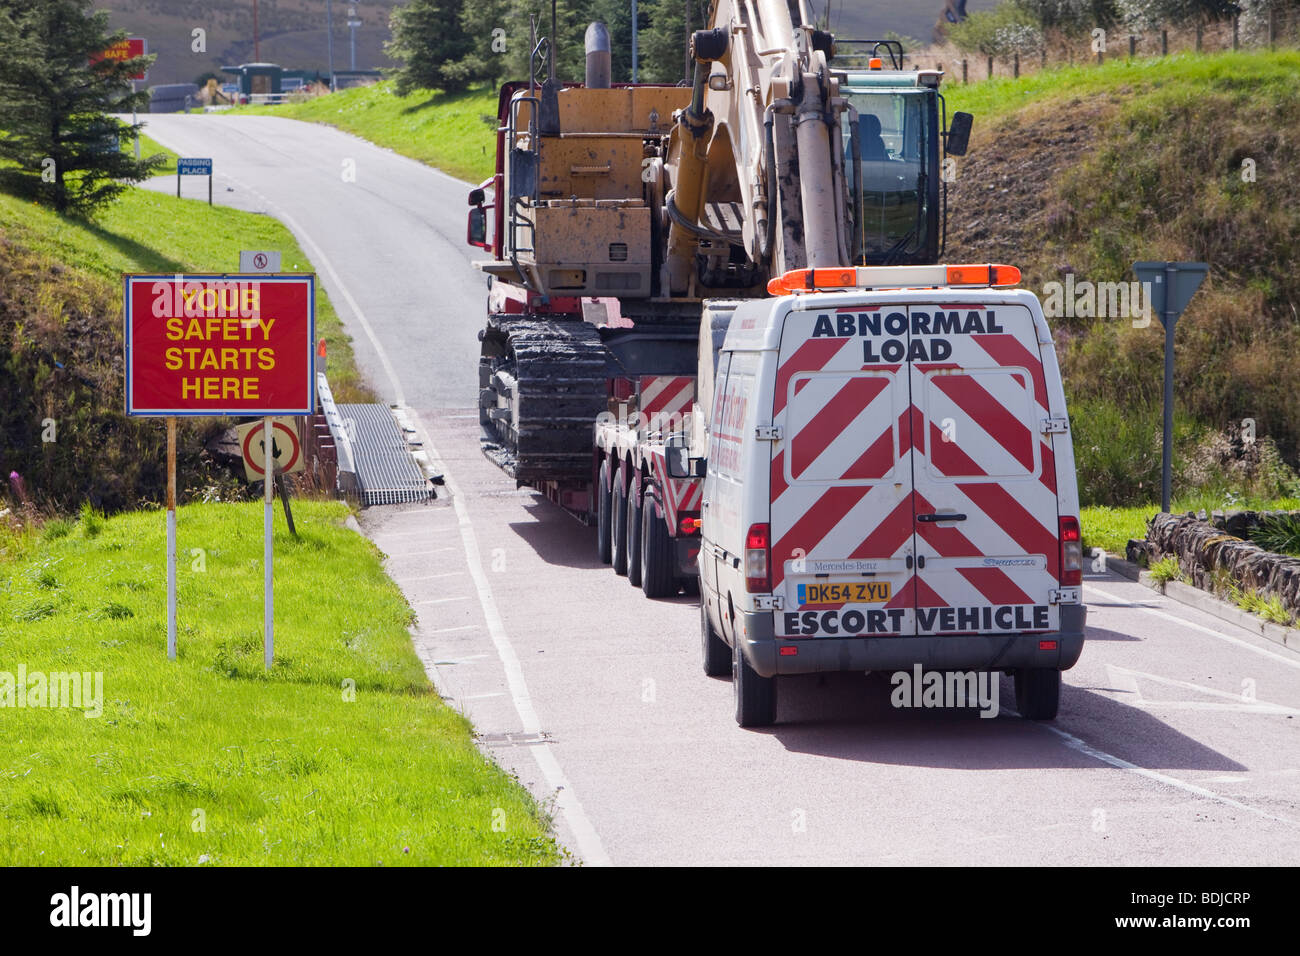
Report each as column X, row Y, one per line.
column 1110, row 528
column 454, row 132
column 150, row 147
column 1269, row 608
column 1261, row 71
column 210, row 759
column 1166, row 570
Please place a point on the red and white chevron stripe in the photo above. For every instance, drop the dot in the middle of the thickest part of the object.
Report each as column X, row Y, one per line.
column 869, row 447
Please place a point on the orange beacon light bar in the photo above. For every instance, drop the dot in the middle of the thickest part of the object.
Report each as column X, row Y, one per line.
column 893, row 277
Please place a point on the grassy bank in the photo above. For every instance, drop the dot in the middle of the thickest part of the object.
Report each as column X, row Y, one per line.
column 454, row 132
column 341, row 755
column 1081, row 171
column 61, row 343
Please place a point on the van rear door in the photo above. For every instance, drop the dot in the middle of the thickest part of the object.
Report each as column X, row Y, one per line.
column 987, row 536
column 841, row 481
column 913, row 488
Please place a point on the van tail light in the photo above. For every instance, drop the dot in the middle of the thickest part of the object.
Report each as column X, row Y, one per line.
column 1071, row 552
column 758, row 559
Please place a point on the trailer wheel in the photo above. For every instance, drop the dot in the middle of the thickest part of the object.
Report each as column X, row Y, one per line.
column 1038, row 692
column 604, row 494
column 755, row 695
column 618, row 523
column 633, row 525
column 657, row 578
column 717, row 655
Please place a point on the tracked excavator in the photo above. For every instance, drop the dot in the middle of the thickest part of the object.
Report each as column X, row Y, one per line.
column 626, row 221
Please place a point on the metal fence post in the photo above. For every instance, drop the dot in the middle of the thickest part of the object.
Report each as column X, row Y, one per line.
column 1015, row 66
column 1236, row 21
column 1164, row 42
column 963, row 71
column 990, row 68
column 1132, row 44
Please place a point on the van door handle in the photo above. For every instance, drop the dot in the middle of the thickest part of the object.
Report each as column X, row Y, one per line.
column 941, row 517
column 910, row 562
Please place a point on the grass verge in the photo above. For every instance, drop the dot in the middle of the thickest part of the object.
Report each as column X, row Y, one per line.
column 1110, row 528
column 341, row 755
column 454, row 132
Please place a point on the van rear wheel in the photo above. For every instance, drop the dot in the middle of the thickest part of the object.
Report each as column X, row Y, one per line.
column 716, row 653
column 755, row 695
column 618, row 524
column 604, row 505
column 657, row 578
column 1038, row 692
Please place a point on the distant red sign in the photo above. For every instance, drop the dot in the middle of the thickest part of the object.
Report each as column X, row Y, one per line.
column 220, row 345
column 128, row 49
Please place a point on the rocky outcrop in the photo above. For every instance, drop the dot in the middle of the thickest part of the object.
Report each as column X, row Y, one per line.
column 1212, row 557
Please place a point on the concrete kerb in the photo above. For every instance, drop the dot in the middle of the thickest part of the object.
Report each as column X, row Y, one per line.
column 1288, row 637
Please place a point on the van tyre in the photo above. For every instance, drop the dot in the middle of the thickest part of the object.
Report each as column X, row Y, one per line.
column 657, row 578
column 618, row 524
column 633, row 526
column 604, row 507
column 755, row 695
column 717, row 655
column 1038, row 692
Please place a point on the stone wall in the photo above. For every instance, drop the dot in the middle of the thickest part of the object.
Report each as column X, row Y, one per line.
column 1210, row 556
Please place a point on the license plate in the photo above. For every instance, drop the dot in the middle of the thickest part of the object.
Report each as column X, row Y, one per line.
column 845, row 592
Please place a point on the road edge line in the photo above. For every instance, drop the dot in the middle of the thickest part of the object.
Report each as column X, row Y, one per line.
column 589, row 843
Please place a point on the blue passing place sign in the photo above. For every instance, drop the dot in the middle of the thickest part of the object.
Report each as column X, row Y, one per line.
column 194, row 167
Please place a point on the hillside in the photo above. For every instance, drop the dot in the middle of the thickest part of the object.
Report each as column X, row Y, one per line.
column 1082, row 172
column 292, row 33
column 61, row 345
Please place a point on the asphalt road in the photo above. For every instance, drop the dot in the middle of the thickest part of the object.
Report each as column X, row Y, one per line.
column 1177, row 740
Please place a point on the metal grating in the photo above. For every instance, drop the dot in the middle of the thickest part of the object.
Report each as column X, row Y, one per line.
column 386, row 472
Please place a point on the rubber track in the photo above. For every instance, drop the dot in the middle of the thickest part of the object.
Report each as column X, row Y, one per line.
column 551, row 377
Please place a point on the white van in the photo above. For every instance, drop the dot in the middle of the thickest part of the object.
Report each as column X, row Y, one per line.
column 889, row 482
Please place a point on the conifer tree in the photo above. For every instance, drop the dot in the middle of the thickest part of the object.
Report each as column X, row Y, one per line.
column 55, row 127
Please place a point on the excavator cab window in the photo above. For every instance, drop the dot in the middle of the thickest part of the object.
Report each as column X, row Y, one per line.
column 896, row 208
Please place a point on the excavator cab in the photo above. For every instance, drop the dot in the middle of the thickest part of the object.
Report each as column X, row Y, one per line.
column 895, row 141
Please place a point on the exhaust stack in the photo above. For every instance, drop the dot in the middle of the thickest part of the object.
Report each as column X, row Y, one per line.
column 599, row 64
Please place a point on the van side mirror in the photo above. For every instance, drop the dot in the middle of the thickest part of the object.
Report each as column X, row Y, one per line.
column 476, row 232
column 959, row 134
column 682, row 465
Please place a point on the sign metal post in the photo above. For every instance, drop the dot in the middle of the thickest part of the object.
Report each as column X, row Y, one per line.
column 171, row 537
column 268, row 600
column 1172, row 286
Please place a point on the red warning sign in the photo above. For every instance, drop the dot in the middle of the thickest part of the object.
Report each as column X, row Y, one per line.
column 220, row 345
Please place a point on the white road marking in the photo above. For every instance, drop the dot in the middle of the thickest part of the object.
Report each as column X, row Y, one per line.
column 416, row 554
column 1126, row 680
column 461, row 597
column 589, row 846
column 1075, row 743
column 1291, row 661
column 430, row 577
column 412, row 534
column 448, row 630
